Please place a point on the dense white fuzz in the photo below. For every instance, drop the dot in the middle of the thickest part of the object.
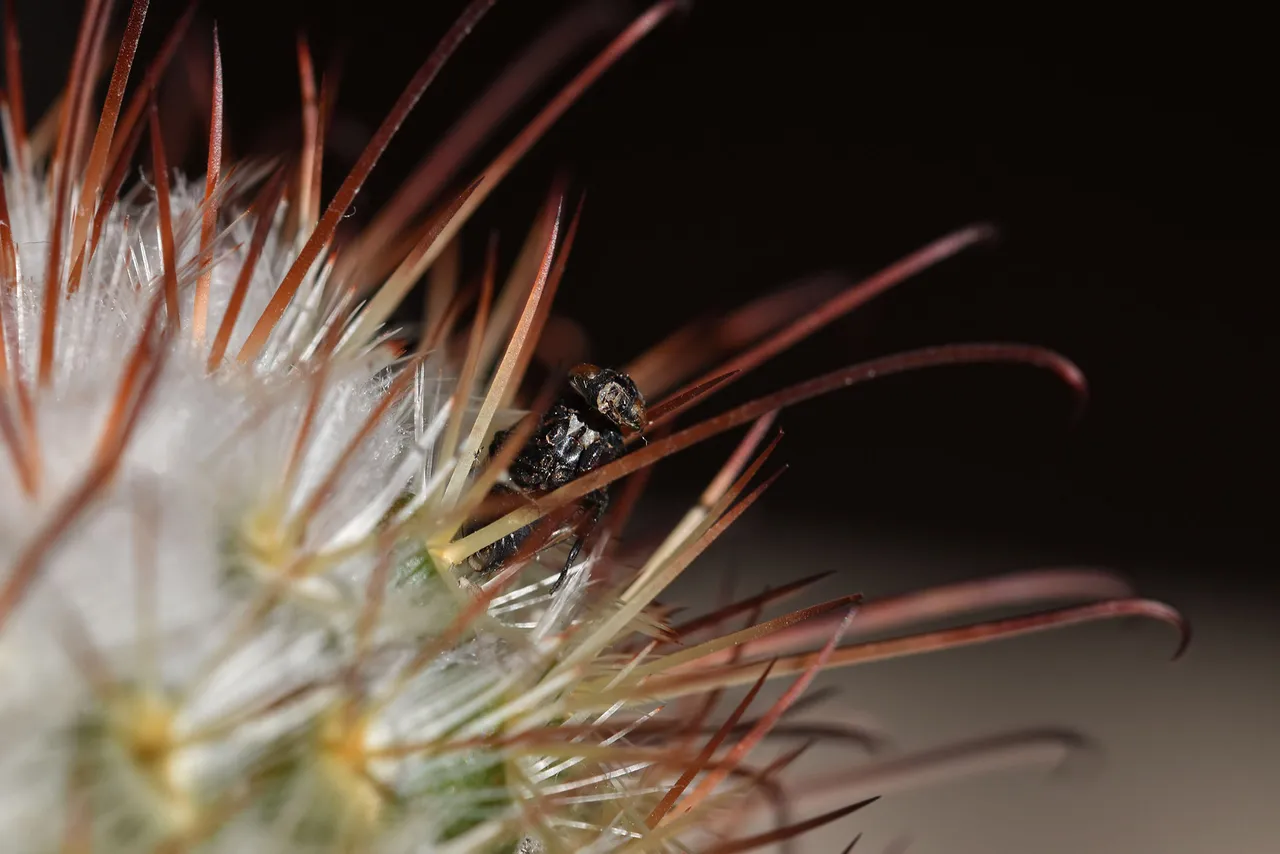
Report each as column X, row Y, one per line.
column 222, row 649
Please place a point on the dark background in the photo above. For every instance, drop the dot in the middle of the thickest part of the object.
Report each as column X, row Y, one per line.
column 743, row 146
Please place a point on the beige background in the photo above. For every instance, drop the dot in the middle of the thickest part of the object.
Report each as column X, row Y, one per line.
column 1190, row 751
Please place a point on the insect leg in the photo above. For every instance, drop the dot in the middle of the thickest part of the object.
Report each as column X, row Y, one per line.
column 573, row 555
column 596, row 502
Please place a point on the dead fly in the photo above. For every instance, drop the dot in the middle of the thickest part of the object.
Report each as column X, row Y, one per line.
column 581, row 432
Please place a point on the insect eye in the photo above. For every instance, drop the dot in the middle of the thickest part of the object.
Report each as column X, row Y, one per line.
column 581, row 380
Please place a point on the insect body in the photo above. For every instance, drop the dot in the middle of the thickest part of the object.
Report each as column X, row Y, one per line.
column 581, row 432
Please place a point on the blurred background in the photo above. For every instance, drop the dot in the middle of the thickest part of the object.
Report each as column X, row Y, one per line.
column 745, row 146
